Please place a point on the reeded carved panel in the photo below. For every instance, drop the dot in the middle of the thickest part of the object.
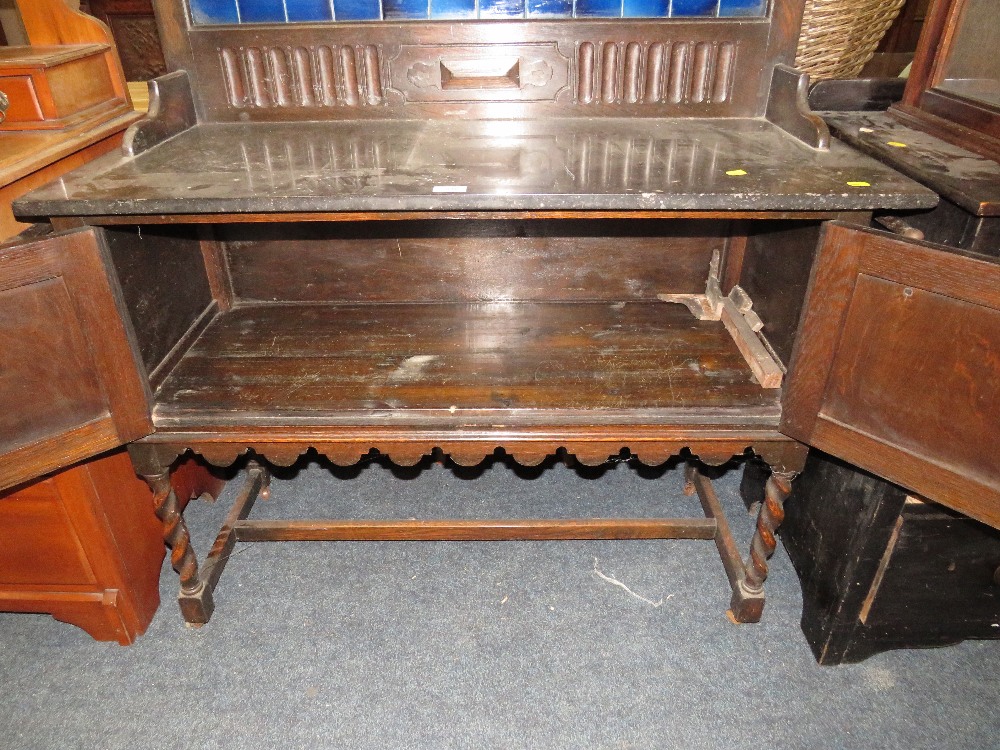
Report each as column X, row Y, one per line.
column 508, row 70
column 682, row 72
column 307, row 76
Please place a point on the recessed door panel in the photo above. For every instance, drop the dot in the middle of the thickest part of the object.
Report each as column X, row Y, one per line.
column 70, row 384
column 897, row 366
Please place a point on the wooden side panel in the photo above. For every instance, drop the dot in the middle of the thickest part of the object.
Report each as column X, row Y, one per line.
column 472, row 262
column 898, row 364
column 69, row 379
column 775, row 273
column 164, row 284
column 35, row 519
column 134, row 535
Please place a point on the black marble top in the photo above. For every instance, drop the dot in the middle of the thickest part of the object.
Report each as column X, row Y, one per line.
column 964, row 178
column 598, row 164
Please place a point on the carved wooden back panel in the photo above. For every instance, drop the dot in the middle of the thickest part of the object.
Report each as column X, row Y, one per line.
column 713, row 67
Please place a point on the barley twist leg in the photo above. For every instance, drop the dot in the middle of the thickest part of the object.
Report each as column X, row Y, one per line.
column 748, row 600
column 195, row 598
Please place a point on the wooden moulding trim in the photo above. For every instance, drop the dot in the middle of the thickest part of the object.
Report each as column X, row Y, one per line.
column 50, row 454
column 948, row 130
column 185, row 342
column 40, row 598
column 587, row 68
column 949, row 485
column 98, row 612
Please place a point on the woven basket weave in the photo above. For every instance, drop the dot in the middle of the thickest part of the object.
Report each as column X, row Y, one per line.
column 839, row 36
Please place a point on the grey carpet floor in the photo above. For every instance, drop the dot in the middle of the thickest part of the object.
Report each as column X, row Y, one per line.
column 482, row 645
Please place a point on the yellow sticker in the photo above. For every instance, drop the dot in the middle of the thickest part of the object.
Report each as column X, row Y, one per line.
column 897, row 144
column 735, row 172
column 859, row 183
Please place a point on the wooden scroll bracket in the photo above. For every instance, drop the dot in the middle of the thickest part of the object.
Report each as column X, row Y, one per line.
column 171, row 111
column 788, row 108
column 737, row 315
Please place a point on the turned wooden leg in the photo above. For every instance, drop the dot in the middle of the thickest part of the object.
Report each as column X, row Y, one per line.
column 748, row 598
column 194, row 598
column 152, row 463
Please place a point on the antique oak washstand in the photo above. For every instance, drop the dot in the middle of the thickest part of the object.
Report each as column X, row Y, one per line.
column 464, row 236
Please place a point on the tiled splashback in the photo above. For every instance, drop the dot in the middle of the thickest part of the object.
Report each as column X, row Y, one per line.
column 286, row 11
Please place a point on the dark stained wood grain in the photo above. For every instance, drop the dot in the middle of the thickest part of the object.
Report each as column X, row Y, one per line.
column 164, row 283
column 895, row 368
column 57, row 300
column 469, row 260
column 775, row 271
column 451, row 359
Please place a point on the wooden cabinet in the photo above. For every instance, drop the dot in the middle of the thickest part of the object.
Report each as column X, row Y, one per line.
column 356, row 253
column 83, row 546
column 881, row 569
column 82, row 543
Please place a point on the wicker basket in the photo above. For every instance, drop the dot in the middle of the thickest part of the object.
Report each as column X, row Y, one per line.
column 840, row 36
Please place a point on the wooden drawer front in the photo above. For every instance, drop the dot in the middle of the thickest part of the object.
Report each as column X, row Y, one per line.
column 56, row 87
column 939, row 579
column 23, row 99
column 38, row 544
column 80, row 85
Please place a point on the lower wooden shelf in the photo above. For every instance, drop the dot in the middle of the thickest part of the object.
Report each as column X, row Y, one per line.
column 452, row 363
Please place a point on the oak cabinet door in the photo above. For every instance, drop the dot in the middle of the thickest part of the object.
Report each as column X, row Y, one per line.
column 70, row 382
column 896, row 368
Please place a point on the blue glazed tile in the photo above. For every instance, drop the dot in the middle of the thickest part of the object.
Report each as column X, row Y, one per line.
column 742, row 7
column 259, row 11
column 646, row 8
column 693, row 7
column 214, row 11
column 363, row 10
column 603, row 8
column 398, row 9
column 308, row 10
column 453, row 9
column 501, row 8
column 563, row 8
